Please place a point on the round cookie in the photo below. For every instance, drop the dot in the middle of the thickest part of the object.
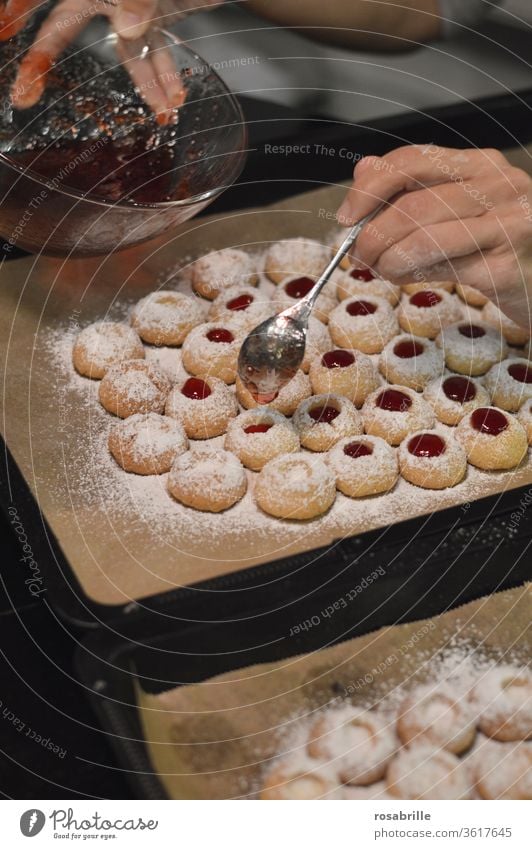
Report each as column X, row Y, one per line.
column 147, row 443
column 471, row 296
column 363, row 466
column 512, row 332
column 104, row 344
column 295, row 486
column 318, row 341
column 360, row 744
column 510, row 383
column 492, row 439
column 395, row 411
column 286, row 780
column 424, row 773
column 471, row 347
column 295, row 258
column 434, row 717
column 365, row 324
column 344, row 372
column 204, row 407
column 322, row 420
column 293, row 289
column 211, row 350
column 208, row 479
column 359, row 282
column 166, row 318
column 219, row 270
column 257, row 436
column 426, row 312
column 288, row 399
column 134, row 386
column 436, row 285
column 503, row 699
column 241, row 306
column 411, row 361
column 431, row 460
column 504, row 771
column 524, row 417
column 454, row 395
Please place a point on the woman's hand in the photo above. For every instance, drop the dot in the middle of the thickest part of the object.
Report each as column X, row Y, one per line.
column 157, row 81
column 453, row 215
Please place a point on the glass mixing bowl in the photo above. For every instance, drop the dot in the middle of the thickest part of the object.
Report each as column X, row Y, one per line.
column 90, row 168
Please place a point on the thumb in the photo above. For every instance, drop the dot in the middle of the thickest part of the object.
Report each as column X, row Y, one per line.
column 132, row 18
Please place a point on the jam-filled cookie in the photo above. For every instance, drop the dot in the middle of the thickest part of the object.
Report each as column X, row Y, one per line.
column 147, row 443
column 208, row 479
column 510, row 383
column 359, row 282
column 296, row 257
column 295, row 486
column 411, row 361
column 365, row 324
column 344, row 372
column 412, row 288
column 503, row 699
column 166, row 318
column 288, row 399
column 134, row 386
column 204, row 407
column 240, row 305
column 293, row 289
column 257, row 436
column 431, row 460
column 395, row 411
column 211, row 350
column 471, row 296
column 318, row 341
column 504, row 771
column 492, row 439
column 290, row 781
column 454, row 395
column 322, row 420
column 218, row 270
column 422, row 772
column 427, row 312
column 359, row 744
column 363, row 466
column 471, row 347
column 104, row 344
column 512, row 332
column 434, row 717
column 524, row 417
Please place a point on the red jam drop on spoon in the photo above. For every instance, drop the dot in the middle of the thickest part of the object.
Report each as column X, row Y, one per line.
column 361, row 308
column 337, row 359
column 364, row 274
column 299, row 288
column 242, row 302
column 196, row 389
column 324, row 414
column 258, row 428
column 220, row 334
column 425, row 298
column 520, row 372
column 426, row 445
column 408, row 348
column 487, row 420
column 471, row 331
column 394, row 401
column 459, row 389
column 358, row 449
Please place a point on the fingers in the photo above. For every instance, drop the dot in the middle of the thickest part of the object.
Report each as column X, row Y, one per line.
column 131, row 18
column 14, row 15
column 31, row 79
column 145, row 77
column 169, row 76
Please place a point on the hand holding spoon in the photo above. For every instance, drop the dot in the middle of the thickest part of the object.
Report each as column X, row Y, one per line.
column 273, row 352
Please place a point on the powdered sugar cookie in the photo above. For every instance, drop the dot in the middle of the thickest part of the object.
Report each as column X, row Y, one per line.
column 204, row 407
column 344, row 372
column 424, row 773
column 363, row 324
column 104, row 344
column 211, row 350
column 134, row 386
column 363, row 466
column 219, row 270
column 510, row 383
column 503, row 699
column 295, row 486
column 433, row 716
column 288, row 398
column 411, row 361
column 165, row 318
column 428, row 311
column 322, row 420
column 208, row 479
column 471, row 296
column 453, row 396
column 291, row 781
column 147, row 443
column 394, row 412
column 257, row 436
column 492, row 439
column 241, row 305
column 512, row 332
column 296, row 257
column 318, row 341
column 359, row 282
column 432, row 460
column 291, row 290
column 524, row 417
column 471, row 347
column 504, row 771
